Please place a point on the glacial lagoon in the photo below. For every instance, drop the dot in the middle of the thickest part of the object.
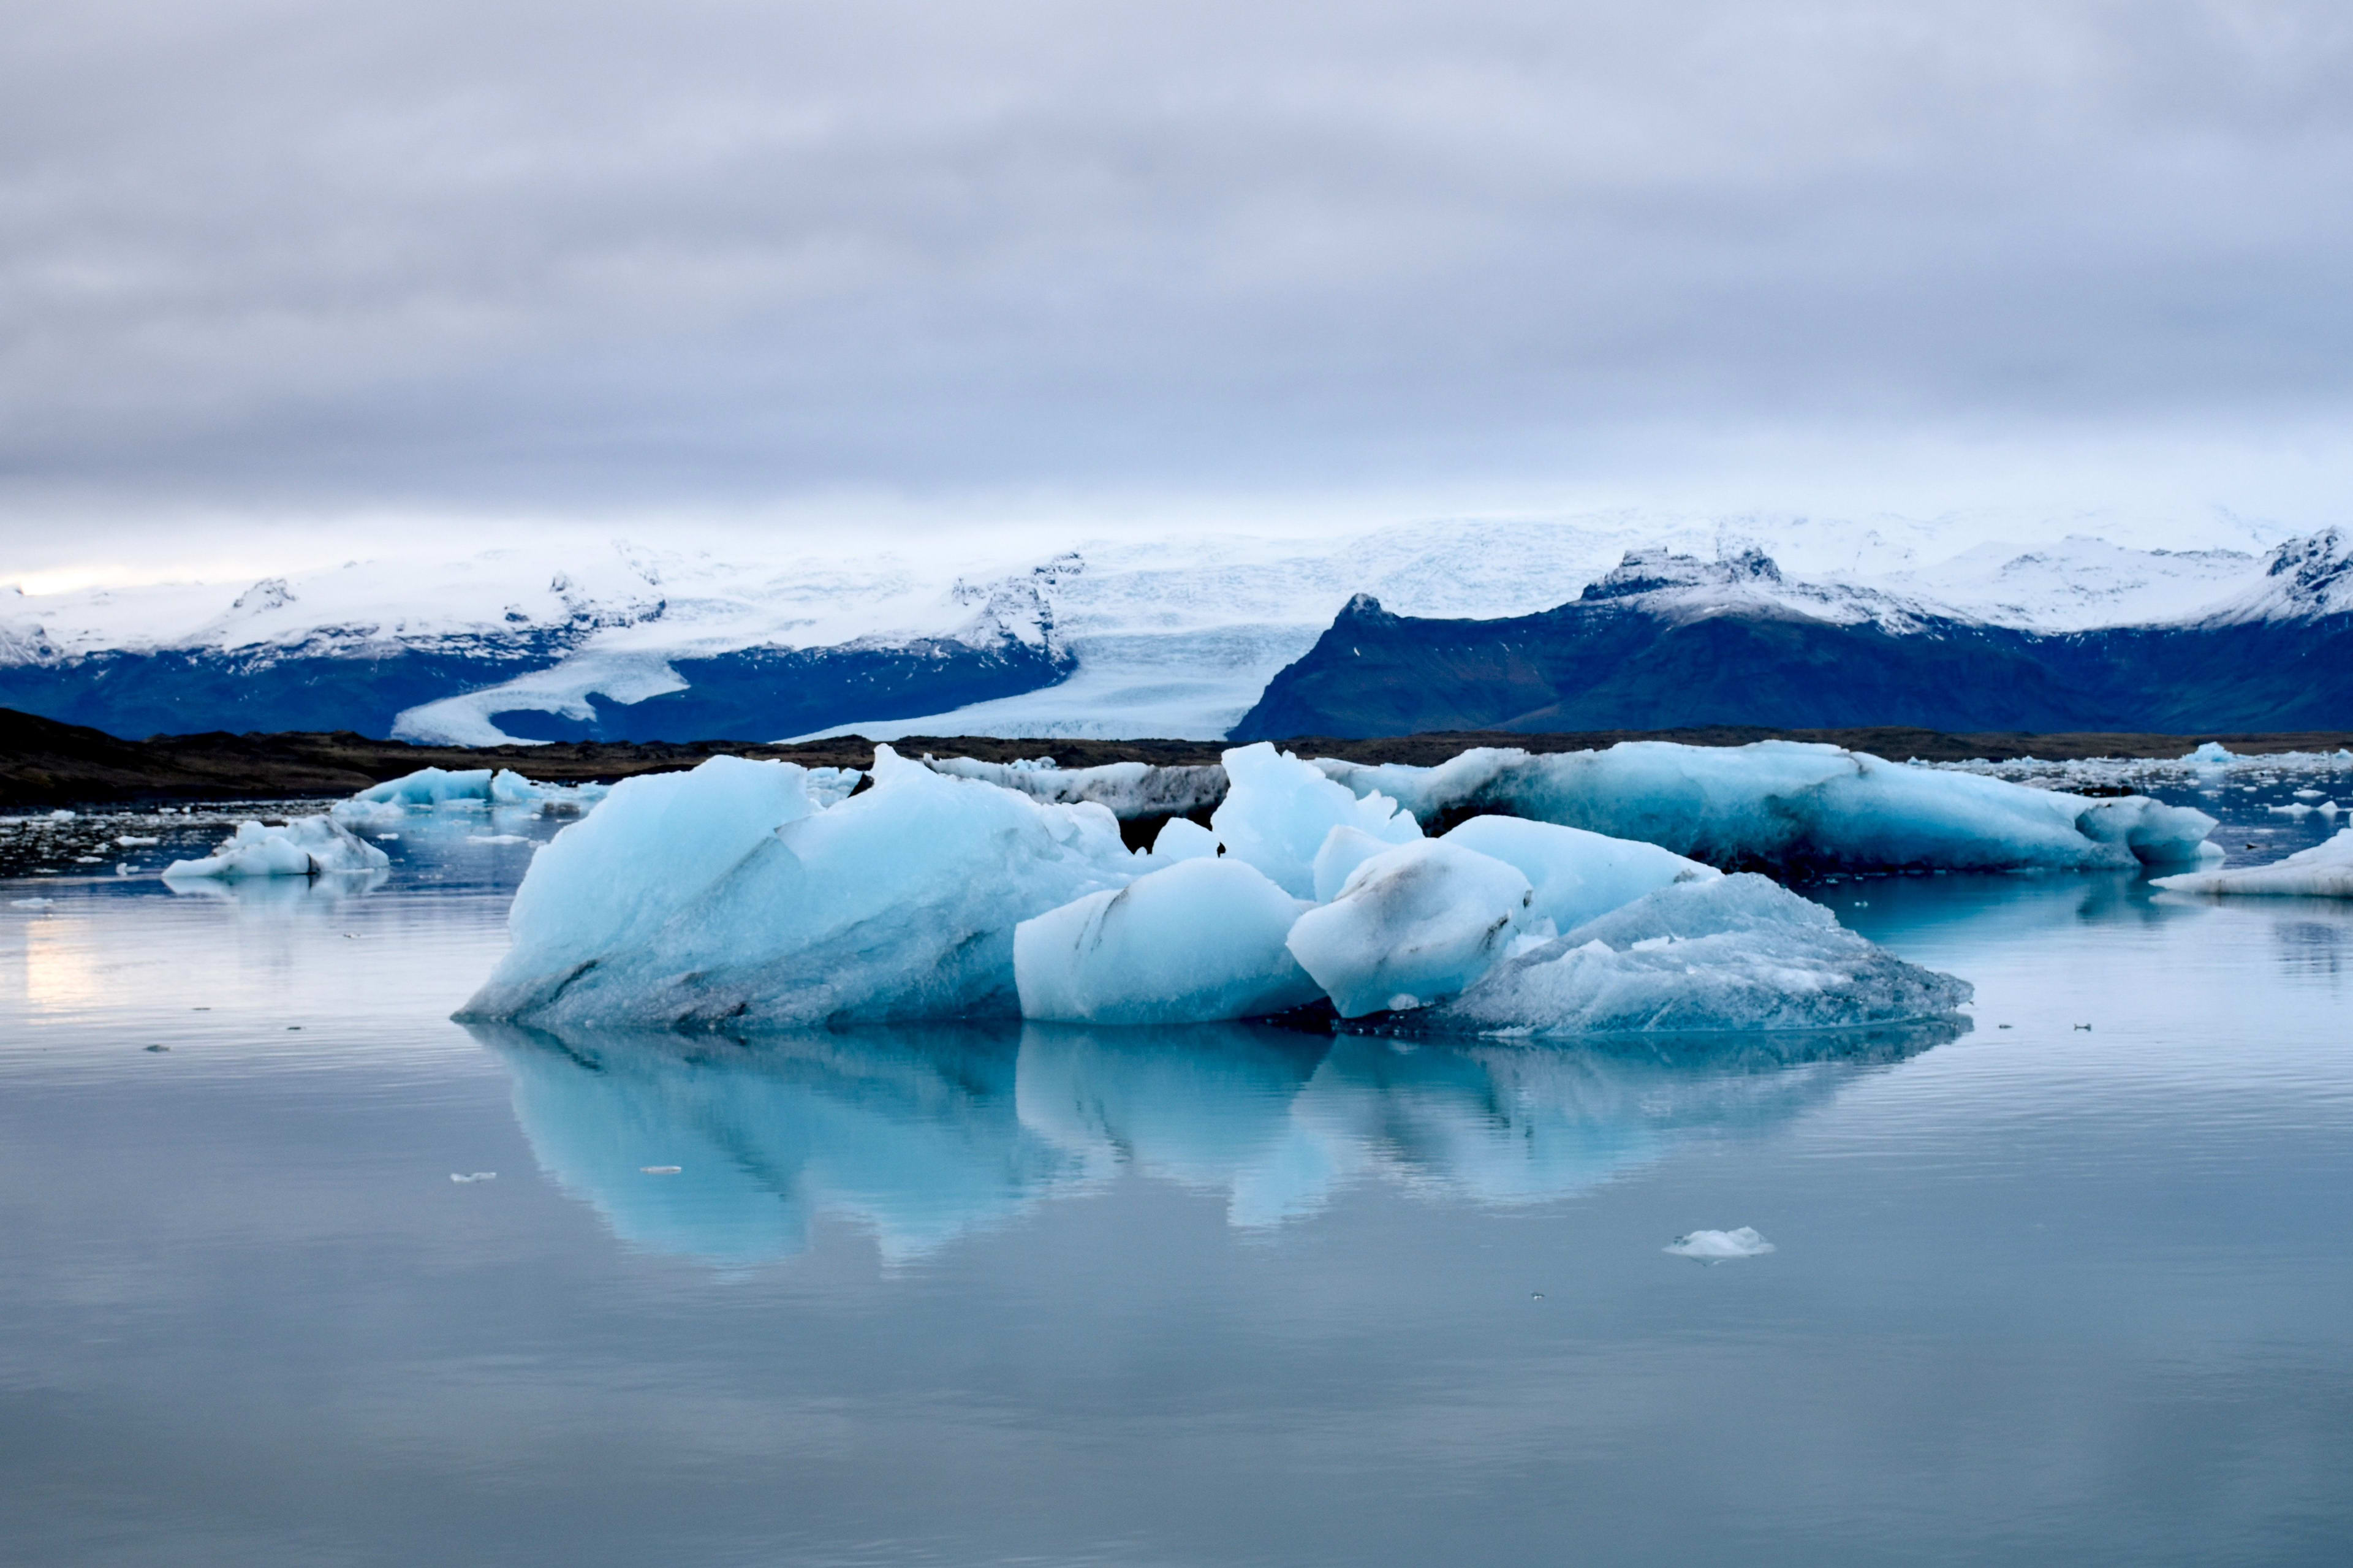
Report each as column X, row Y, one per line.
column 329, row 1279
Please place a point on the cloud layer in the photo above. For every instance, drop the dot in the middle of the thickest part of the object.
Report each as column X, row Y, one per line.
column 707, row 252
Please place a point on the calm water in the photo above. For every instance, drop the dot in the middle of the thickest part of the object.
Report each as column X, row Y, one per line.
column 2042, row 1293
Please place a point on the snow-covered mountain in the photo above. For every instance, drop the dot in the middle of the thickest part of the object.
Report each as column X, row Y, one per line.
column 1172, row 637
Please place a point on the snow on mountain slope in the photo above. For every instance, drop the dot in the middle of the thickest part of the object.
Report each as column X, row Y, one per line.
column 1177, row 637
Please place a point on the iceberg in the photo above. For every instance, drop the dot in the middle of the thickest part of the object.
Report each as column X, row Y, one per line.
column 1575, row 874
column 1409, row 925
column 1735, row 954
column 305, row 846
column 1278, row 812
column 2323, row 871
column 1200, row 942
column 1129, row 790
column 1719, row 1245
column 1792, row 805
column 729, row 901
column 429, row 787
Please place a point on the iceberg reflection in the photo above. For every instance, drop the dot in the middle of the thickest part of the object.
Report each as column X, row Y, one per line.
column 923, row 1134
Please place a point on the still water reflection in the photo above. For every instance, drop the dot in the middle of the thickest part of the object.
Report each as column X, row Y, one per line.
column 2065, row 1287
column 922, row 1134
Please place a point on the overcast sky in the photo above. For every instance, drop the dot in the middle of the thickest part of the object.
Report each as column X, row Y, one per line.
column 276, row 258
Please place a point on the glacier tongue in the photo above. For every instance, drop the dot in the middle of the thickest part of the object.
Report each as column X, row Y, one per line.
column 1794, row 805
column 1200, row 942
column 1735, row 953
column 897, row 903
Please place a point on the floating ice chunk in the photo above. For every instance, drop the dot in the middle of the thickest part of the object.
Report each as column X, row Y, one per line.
column 660, row 841
column 2323, row 871
column 2210, row 757
column 1345, row 849
column 1577, row 875
column 1199, row 943
column 900, row 902
column 1787, row 803
column 1127, row 789
column 1735, row 954
column 133, row 841
column 2310, row 793
column 1410, row 925
column 31, row 903
column 61, row 817
column 496, row 838
column 1719, row 1245
column 1181, row 838
column 1278, row 812
column 306, row 847
column 384, row 804
column 477, row 1176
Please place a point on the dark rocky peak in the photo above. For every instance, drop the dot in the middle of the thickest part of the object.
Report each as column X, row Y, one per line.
column 1648, row 571
column 2318, row 568
column 1363, row 609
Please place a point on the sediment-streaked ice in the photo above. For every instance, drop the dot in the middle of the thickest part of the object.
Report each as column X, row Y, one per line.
column 1278, row 810
column 1736, row 953
column 305, row 846
column 1127, row 789
column 1410, row 925
column 1793, row 805
column 2323, row 871
column 1200, row 942
column 900, row 902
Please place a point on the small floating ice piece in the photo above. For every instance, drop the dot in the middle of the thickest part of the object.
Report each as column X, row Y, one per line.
column 477, row 1176
column 1720, row 1246
column 32, row 903
column 496, row 838
column 660, row 1170
column 306, row 847
column 2323, row 871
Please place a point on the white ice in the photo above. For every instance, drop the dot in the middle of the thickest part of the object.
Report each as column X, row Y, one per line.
column 2323, row 871
column 1410, row 925
column 1717, row 1245
column 1787, row 804
column 1128, row 789
column 306, row 847
column 1182, row 840
column 384, row 804
column 1575, row 874
column 1278, row 811
column 1737, row 952
column 727, row 903
column 1197, row 943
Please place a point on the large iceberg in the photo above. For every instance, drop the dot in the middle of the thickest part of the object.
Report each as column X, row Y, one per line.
column 1736, row 953
column 2323, row 871
column 305, row 846
column 1278, row 811
column 1197, row 943
column 898, row 902
column 1792, row 805
column 1417, row 922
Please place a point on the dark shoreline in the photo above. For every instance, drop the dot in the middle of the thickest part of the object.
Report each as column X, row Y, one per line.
column 43, row 763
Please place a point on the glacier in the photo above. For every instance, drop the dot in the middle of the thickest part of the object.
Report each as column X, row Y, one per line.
column 898, row 903
column 1732, row 955
column 1198, row 942
column 2323, row 871
column 304, row 846
column 1793, row 805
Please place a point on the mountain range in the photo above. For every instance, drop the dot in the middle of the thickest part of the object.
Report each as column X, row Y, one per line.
column 1613, row 621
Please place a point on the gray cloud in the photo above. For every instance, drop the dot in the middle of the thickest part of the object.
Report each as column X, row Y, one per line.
column 546, row 252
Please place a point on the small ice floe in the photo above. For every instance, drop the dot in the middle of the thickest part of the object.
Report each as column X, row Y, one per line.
column 477, row 1176
column 304, row 846
column 496, row 838
column 2310, row 795
column 660, row 1170
column 61, row 817
column 1720, row 1246
column 32, row 903
column 134, row 841
column 2323, row 871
